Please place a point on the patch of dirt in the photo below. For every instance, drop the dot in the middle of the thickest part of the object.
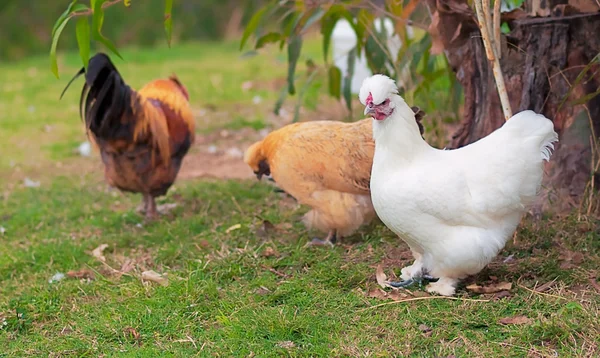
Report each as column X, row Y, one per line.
column 220, row 155
column 221, row 166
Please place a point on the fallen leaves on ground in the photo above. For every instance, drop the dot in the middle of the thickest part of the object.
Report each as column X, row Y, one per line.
column 262, row 290
column 265, row 229
column 502, row 294
column 380, row 294
column 165, row 208
column 491, row 288
column 426, row 330
column 131, row 333
column 381, row 277
column 286, row 344
column 570, row 259
column 154, row 276
column 270, row 252
column 545, row 287
column 82, row 274
column 232, row 228
column 127, row 266
column 97, row 252
column 515, row 320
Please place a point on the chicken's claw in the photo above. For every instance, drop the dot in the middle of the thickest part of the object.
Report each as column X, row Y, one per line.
column 411, row 281
column 328, row 241
column 401, row 284
column 318, row 242
column 429, row 278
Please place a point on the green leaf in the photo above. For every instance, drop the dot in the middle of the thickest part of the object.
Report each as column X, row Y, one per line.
column 253, row 24
column 82, row 32
column 347, row 85
column 328, row 22
column 580, row 77
column 290, row 23
column 376, row 56
column 294, row 48
column 168, row 20
column 53, row 60
column 363, row 25
column 316, row 15
column 97, row 21
column 335, row 81
column 271, row 37
column 59, row 26
column 62, row 17
column 588, row 97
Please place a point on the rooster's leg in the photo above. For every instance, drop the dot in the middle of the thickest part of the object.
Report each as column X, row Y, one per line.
column 143, row 207
column 328, row 241
column 151, row 212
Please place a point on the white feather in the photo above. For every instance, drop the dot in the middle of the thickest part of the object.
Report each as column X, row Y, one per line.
column 454, row 208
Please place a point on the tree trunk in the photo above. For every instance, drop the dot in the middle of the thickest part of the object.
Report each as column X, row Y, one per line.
column 542, row 58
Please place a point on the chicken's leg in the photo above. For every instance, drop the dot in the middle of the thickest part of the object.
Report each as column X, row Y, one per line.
column 445, row 286
column 151, row 212
column 143, row 207
column 328, row 241
column 413, row 273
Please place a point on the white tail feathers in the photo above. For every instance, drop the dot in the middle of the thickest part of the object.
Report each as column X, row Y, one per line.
column 538, row 126
column 548, row 147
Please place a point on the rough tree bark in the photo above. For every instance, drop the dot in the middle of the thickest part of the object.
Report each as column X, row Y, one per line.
column 541, row 60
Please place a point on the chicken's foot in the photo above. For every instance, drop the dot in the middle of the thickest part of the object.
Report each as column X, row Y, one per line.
column 445, row 286
column 143, row 207
column 409, row 282
column 328, row 241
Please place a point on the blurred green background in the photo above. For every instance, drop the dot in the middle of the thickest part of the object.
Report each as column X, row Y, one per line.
column 25, row 25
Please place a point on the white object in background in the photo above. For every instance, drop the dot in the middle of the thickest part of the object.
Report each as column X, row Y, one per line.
column 31, row 183
column 85, row 149
column 343, row 39
column 59, row 276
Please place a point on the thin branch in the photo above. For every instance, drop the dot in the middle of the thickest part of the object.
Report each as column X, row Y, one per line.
column 488, row 43
column 370, row 6
column 89, row 12
column 496, row 27
column 423, row 298
column 541, row 293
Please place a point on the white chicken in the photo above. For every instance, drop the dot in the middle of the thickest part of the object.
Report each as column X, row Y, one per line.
column 454, row 208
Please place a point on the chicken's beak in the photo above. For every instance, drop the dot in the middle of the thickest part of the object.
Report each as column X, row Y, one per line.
column 369, row 110
column 258, row 175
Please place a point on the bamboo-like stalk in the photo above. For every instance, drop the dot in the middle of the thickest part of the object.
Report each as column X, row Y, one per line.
column 490, row 48
column 488, row 19
column 496, row 28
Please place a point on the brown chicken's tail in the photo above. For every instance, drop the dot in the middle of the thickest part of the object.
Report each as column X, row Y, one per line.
column 105, row 98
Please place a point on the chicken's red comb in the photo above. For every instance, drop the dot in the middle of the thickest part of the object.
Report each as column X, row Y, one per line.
column 370, row 98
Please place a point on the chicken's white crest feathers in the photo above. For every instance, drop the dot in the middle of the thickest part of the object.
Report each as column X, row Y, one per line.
column 380, row 87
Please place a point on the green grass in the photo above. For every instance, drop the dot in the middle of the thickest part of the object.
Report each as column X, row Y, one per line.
column 241, row 282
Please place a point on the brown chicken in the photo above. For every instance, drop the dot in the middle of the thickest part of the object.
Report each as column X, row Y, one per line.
column 142, row 136
column 325, row 165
